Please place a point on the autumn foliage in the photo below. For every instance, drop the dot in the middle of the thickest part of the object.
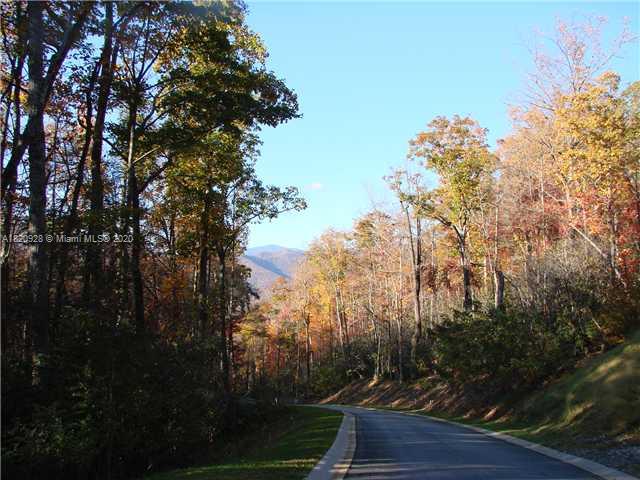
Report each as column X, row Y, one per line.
column 522, row 260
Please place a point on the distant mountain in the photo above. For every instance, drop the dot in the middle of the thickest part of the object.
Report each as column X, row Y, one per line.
column 268, row 263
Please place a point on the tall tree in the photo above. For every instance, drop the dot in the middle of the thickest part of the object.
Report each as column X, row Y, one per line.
column 33, row 137
column 407, row 187
column 456, row 150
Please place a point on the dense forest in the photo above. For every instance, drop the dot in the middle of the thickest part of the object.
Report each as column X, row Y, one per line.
column 129, row 139
column 131, row 336
column 495, row 269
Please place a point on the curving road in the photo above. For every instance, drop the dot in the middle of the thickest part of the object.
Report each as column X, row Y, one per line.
column 396, row 446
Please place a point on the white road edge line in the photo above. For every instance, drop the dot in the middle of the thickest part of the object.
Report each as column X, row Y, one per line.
column 336, row 462
column 597, row 469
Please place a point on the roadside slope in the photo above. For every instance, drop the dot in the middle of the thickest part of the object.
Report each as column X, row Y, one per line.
column 592, row 412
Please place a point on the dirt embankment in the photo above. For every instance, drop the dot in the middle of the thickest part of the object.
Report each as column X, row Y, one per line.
column 429, row 394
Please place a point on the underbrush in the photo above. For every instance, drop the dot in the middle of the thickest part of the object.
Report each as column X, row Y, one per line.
column 114, row 404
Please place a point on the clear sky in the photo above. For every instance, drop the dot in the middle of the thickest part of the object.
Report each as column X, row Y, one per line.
column 369, row 76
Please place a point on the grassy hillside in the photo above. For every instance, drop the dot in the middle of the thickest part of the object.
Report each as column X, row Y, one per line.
column 592, row 412
column 603, row 396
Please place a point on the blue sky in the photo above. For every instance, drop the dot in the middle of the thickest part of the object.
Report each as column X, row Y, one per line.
column 369, row 76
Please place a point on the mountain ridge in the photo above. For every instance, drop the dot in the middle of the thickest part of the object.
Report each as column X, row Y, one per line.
column 268, row 263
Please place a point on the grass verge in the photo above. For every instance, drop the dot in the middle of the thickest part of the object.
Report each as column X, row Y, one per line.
column 291, row 454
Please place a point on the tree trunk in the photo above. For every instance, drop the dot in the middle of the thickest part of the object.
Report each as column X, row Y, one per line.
column 93, row 262
column 498, row 278
column 222, row 304
column 203, row 265
column 307, row 322
column 71, row 221
column 416, row 261
column 467, row 303
column 37, row 252
column 399, row 326
column 399, row 317
column 297, row 381
column 9, row 174
column 229, row 310
column 123, row 271
column 612, row 254
column 44, row 87
column 9, row 200
column 342, row 324
column 136, row 254
column 134, row 214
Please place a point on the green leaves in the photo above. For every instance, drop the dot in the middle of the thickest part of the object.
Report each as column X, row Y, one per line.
column 456, row 150
column 219, row 81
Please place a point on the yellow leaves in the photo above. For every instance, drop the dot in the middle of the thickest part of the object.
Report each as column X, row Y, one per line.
column 610, row 80
column 456, row 150
column 593, row 125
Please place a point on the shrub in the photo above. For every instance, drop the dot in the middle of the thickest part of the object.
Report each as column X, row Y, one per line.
column 504, row 352
column 117, row 405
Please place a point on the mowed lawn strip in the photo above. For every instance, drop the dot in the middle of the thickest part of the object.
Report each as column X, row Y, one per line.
column 291, row 455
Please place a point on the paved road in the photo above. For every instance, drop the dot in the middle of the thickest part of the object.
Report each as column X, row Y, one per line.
column 396, row 446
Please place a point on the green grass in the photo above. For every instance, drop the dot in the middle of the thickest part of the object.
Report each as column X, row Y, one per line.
column 308, row 434
column 600, row 397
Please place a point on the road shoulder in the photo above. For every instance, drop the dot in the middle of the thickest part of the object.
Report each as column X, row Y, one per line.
column 336, row 462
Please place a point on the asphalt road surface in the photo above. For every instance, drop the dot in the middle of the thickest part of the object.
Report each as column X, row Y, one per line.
column 396, row 446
